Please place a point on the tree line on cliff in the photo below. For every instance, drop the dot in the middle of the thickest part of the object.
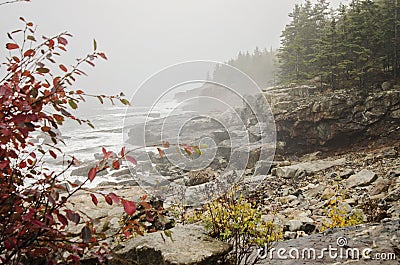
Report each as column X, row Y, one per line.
column 356, row 44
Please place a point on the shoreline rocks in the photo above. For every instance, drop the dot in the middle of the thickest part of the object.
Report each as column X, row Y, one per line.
column 356, row 168
column 188, row 245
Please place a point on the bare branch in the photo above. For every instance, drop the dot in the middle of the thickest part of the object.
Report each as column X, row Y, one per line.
column 14, row 1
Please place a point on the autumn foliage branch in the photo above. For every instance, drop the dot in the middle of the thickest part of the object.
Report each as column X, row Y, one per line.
column 36, row 96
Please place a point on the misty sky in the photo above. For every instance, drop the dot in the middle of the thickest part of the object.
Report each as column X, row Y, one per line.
column 142, row 37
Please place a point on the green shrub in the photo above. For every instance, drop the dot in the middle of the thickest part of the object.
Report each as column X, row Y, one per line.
column 233, row 219
column 338, row 216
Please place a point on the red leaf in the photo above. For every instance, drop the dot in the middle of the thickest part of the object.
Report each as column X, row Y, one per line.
column 45, row 128
column 50, row 43
column 11, row 46
column 62, row 41
column 62, row 219
column 129, row 207
column 160, row 152
column 114, row 197
column 108, row 199
column 127, row 234
column 63, row 68
column 74, row 258
column 30, row 52
column 123, row 151
column 131, row 159
column 4, row 164
column 37, row 223
column 189, row 150
column 94, row 199
column 26, row 73
column 149, row 216
column 10, row 243
column 22, row 164
column 56, row 80
column 53, row 154
column 90, row 63
column 106, row 154
column 102, row 55
column 92, row 173
column 116, row 164
column 86, row 234
column 74, row 217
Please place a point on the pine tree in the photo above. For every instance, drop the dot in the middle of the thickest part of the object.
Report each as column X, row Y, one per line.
column 290, row 53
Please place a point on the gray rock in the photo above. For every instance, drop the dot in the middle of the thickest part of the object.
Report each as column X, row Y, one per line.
column 262, row 167
column 395, row 114
column 389, row 152
column 311, row 157
column 288, row 172
column 346, row 173
column 360, row 179
column 254, row 133
column 307, row 168
column 287, row 199
column 200, row 176
column 328, row 193
column 289, row 235
column 284, row 163
column 317, row 120
column 285, row 191
column 381, row 185
column 386, row 85
column 395, row 172
column 154, row 181
column 107, row 183
column 319, row 165
column 189, row 245
column 314, row 191
column 293, row 225
column 381, row 238
column 247, row 156
column 220, row 136
column 305, row 219
column 84, row 170
column 124, row 172
column 394, row 195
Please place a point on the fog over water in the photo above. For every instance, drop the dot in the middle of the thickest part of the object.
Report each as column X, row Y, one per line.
column 142, row 37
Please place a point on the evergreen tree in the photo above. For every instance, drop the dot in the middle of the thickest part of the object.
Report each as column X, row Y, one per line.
column 260, row 65
column 356, row 44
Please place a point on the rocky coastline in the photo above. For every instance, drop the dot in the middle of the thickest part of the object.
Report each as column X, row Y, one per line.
column 330, row 145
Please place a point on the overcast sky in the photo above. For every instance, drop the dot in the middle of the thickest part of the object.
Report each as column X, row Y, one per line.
column 142, row 37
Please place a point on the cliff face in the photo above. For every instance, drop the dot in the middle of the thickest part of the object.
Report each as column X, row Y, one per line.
column 308, row 119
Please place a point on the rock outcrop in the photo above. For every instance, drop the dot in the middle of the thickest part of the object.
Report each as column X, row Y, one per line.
column 307, row 168
column 363, row 244
column 307, row 119
column 297, row 190
column 188, row 245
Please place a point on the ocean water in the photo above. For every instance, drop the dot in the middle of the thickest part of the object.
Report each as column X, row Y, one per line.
column 84, row 142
